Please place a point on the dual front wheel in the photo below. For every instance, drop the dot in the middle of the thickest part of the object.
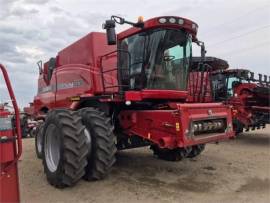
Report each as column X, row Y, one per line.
column 73, row 145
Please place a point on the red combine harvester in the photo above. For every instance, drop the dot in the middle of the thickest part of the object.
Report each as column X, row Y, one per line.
column 10, row 147
column 28, row 124
column 248, row 96
column 97, row 97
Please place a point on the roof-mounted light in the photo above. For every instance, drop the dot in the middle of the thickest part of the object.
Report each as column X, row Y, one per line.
column 172, row 20
column 194, row 26
column 162, row 20
column 181, row 21
column 178, row 21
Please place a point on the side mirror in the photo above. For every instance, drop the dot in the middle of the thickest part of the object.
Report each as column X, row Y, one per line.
column 39, row 63
column 203, row 51
column 109, row 25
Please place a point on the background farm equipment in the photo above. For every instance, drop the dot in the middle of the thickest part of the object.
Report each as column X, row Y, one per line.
column 10, row 147
column 97, row 97
column 248, row 96
column 28, row 123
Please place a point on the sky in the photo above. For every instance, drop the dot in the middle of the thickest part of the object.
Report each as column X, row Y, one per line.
column 32, row 30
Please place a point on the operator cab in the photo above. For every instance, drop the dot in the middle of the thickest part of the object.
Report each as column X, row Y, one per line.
column 159, row 59
column 154, row 55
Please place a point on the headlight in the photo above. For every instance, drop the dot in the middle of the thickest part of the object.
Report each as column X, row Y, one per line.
column 194, row 26
column 181, row 21
column 195, row 127
column 162, row 20
column 172, row 20
column 200, row 126
column 208, row 126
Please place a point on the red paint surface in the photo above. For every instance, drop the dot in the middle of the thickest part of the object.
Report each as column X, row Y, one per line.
column 10, row 152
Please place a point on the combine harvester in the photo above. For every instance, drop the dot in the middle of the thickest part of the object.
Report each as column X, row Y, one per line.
column 109, row 92
column 249, row 97
column 28, row 124
column 10, row 147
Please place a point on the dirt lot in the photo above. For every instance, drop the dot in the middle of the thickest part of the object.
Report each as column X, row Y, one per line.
column 233, row 171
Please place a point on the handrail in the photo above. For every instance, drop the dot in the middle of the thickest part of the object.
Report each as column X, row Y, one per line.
column 17, row 118
column 114, row 69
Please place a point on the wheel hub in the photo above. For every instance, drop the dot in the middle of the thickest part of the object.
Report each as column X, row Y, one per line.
column 52, row 148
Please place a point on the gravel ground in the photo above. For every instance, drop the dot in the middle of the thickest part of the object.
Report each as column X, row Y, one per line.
column 233, row 171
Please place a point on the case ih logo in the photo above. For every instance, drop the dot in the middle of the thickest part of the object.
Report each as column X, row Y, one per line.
column 74, row 84
column 61, row 86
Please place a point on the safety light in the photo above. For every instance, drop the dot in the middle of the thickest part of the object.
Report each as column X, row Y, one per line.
column 140, row 19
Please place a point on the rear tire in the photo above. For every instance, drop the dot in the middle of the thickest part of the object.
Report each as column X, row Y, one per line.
column 196, row 150
column 38, row 140
column 103, row 149
column 64, row 148
column 24, row 127
column 32, row 132
column 170, row 154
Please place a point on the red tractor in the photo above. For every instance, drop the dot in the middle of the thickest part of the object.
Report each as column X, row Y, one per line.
column 10, row 147
column 109, row 92
column 249, row 97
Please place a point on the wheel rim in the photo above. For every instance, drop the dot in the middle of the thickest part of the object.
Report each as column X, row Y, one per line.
column 52, row 148
column 39, row 146
column 88, row 139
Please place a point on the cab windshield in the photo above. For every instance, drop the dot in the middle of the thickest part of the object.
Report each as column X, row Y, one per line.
column 159, row 59
column 232, row 82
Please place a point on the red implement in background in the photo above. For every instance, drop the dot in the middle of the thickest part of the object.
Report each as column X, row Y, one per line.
column 10, row 147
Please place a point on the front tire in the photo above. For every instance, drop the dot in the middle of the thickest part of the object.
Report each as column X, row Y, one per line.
column 64, row 148
column 103, row 149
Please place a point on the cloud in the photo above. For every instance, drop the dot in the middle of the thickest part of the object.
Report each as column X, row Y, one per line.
column 20, row 12
column 39, row 2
